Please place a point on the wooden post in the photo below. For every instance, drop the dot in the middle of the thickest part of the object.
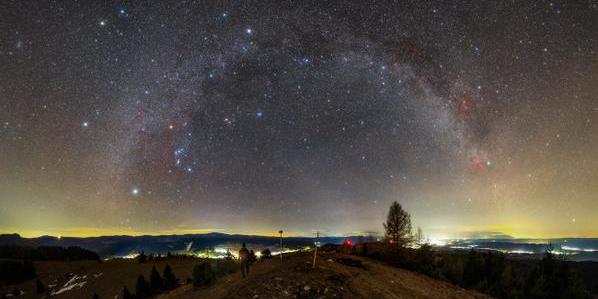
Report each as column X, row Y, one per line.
column 280, row 232
column 316, row 250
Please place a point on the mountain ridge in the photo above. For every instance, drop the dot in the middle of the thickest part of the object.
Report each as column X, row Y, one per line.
column 121, row 245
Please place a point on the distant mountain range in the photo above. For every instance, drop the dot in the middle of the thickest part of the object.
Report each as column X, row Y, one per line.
column 108, row 246
column 574, row 249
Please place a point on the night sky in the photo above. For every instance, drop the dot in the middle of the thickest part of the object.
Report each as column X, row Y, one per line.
column 254, row 116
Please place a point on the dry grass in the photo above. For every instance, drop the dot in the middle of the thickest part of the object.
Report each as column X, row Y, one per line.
column 294, row 278
column 115, row 275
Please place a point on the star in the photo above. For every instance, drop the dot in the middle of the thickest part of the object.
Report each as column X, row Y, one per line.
column 317, row 103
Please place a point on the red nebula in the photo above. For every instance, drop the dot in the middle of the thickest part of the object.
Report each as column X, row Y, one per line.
column 466, row 106
column 477, row 164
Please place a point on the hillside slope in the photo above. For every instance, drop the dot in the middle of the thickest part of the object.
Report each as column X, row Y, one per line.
column 333, row 278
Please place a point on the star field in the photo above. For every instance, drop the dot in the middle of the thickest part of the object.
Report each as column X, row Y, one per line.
column 255, row 116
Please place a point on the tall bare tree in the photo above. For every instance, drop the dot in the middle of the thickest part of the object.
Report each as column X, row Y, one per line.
column 419, row 236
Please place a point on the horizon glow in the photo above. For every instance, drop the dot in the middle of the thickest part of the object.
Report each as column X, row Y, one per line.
column 143, row 119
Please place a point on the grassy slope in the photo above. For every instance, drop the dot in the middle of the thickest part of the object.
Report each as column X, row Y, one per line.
column 268, row 279
column 273, row 279
column 115, row 274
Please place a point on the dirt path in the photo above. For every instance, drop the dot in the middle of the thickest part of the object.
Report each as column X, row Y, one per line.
column 296, row 279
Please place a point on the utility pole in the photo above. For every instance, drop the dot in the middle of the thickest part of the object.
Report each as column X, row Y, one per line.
column 280, row 232
column 317, row 243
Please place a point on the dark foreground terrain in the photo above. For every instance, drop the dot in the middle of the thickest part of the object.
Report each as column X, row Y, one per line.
column 81, row 279
column 336, row 276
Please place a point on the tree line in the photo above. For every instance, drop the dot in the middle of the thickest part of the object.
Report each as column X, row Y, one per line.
column 47, row 253
column 492, row 273
column 155, row 285
column 16, row 261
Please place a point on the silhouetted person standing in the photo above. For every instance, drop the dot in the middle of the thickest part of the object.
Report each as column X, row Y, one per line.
column 244, row 257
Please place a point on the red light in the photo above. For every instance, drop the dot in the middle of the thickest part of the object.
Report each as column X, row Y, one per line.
column 348, row 243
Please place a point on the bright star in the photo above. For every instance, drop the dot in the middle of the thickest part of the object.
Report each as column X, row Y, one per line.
column 248, row 30
column 135, row 191
column 85, row 124
column 102, row 23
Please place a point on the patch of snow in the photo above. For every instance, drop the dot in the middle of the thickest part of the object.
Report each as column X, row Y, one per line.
column 9, row 295
column 73, row 278
column 74, row 282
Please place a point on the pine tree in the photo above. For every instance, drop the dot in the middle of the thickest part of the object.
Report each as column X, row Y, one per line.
column 155, row 281
column 398, row 225
column 39, row 286
column 203, row 274
column 141, row 288
column 170, row 280
column 142, row 258
column 266, row 254
column 126, row 293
